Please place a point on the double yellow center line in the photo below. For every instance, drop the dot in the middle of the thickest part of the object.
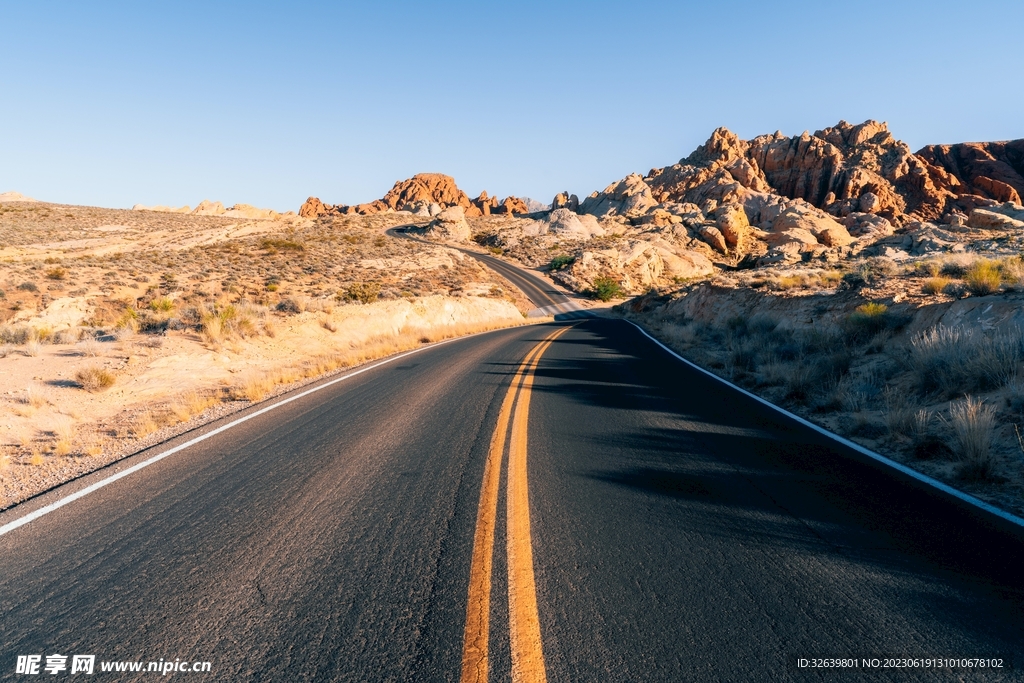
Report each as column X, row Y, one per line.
column 524, row 622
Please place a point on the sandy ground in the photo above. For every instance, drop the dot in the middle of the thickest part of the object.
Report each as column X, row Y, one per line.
column 191, row 317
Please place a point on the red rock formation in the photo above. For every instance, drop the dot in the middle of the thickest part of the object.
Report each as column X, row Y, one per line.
column 989, row 170
column 486, row 204
column 313, row 207
column 512, row 205
column 843, row 169
column 423, row 189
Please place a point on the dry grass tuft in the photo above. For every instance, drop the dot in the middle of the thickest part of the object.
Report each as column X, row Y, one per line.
column 973, row 425
column 144, row 425
column 935, row 285
column 64, row 430
column 35, row 397
column 95, row 378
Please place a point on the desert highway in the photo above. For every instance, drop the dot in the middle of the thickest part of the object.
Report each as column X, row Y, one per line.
column 559, row 502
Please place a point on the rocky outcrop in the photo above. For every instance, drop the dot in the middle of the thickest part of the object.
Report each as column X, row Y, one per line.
column 418, row 194
column 989, row 170
column 485, row 204
column 163, row 209
column 630, row 196
column 842, row 170
column 313, row 208
column 243, row 211
column 636, row 264
column 512, row 205
column 732, row 223
column 15, row 197
column 1009, row 216
column 565, row 223
column 208, row 208
column 564, row 200
column 449, row 226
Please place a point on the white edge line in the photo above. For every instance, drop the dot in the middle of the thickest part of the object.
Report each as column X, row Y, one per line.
column 924, row 478
column 46, row 509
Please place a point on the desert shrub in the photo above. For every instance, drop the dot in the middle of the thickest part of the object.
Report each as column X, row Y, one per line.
column 289, row 306
column 129, row 320
column 881, row 267
column 28, row 287
column 274, row 245
column 869, row 319
column 956, row 360
column 606, row 288
column 956, row 267
column 161, row 305
column 957, row 290
column 830, row 278
column 16, row 334
column 363, row 292
column 66, row 336
column 973, row 425
column 497, row 251
column 935, row 285
column 983, row 277
column 94, row 378
column 560, row 262
column 786, row 282
column 57, row 273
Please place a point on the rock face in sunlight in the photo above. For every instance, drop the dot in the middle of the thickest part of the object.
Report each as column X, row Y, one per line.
column 450, row 225
column 841, row 170
column 983, row 170
column 417, row 195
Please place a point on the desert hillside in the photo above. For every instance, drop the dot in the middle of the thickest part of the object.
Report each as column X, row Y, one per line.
column 120, row 327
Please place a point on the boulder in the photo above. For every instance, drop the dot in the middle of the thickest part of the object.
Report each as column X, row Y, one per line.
column 869, row 202
column 566, row 224
column 1009, row 216
column 824, row 228
column 628, row 197
column 564, row 200
column 733, row 224
column 714, row 238
column 866, row 225
column 658, row 218
column 449, row 225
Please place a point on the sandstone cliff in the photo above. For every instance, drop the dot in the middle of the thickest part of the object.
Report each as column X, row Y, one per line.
column 843, row 170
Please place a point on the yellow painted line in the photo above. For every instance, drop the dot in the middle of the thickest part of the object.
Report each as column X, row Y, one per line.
column 478, row 606
column 524, row 619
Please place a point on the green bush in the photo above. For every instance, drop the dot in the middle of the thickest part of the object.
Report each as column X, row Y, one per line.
column 560, row 262
column 868, row 319
column 606, row 288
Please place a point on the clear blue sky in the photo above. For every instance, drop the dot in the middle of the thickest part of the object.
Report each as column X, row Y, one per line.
column 266, row 103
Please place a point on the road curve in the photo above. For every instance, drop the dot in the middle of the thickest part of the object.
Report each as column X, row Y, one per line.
column 676, row 532
column 549, row 300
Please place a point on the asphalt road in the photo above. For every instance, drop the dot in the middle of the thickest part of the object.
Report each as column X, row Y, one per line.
column 562, row 500
column 548, row 299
